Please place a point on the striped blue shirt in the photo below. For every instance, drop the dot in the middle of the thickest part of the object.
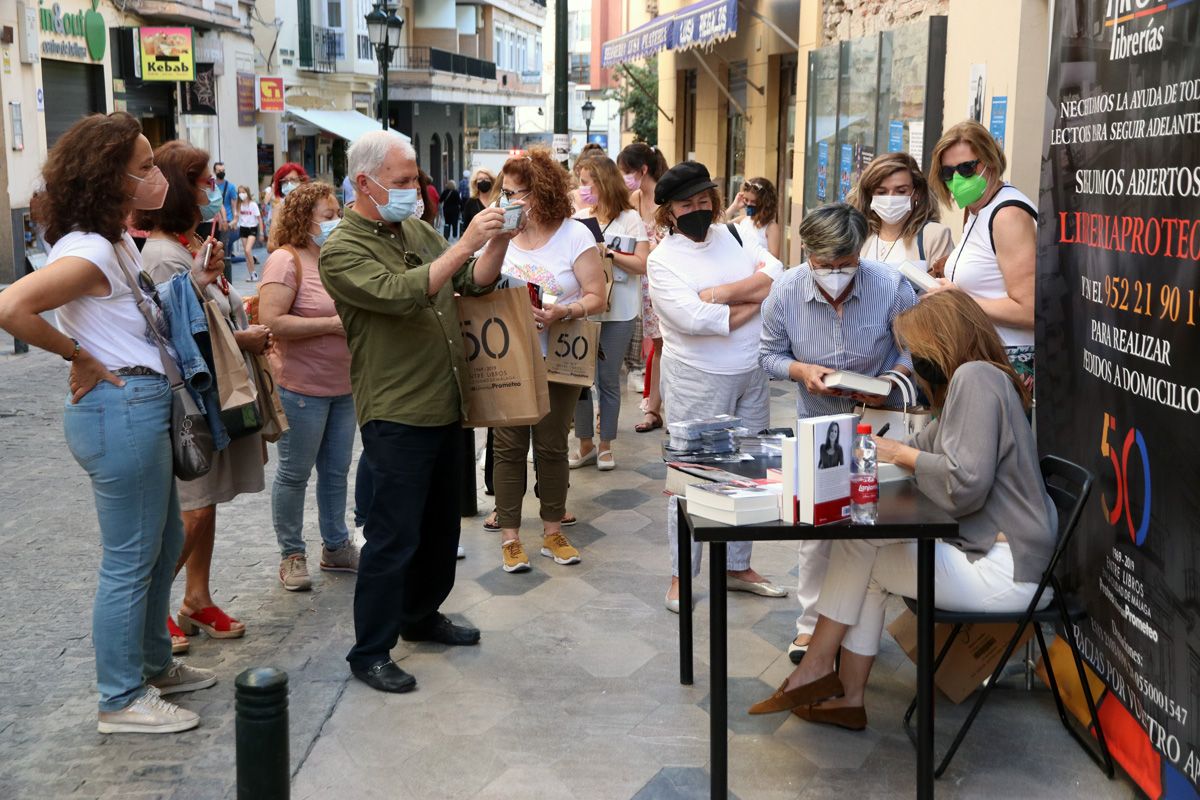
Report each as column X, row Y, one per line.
column 799, row 324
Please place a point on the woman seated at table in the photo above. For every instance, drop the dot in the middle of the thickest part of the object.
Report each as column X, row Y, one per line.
column 978, row 461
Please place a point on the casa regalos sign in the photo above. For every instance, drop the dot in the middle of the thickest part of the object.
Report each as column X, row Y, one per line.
column 87, row 25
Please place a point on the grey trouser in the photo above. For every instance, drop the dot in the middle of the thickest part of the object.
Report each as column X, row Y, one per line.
column 614, row 341
column 689, row 393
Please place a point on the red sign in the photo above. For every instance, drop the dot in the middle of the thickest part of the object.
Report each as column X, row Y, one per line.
column 245, row 99
column 270, row 95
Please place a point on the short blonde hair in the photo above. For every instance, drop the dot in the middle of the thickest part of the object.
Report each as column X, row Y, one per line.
column 986, row 149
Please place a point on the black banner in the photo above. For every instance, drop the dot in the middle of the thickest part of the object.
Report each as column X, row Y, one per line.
column 200, row 96
column 1118, row 341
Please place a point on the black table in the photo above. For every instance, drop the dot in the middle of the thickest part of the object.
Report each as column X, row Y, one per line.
column 904, row 513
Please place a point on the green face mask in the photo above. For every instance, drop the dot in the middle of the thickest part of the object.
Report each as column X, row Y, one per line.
column 967, row 190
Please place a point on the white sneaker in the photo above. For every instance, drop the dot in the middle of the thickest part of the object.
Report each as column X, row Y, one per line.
column 179, row 677
column 461, row 552
column 148, row 714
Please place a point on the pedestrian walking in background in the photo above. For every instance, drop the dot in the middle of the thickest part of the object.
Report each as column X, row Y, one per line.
column 117, row 414
column 250, row 225
column 311, row 364
column 451, row 207
column 238, row 468
column 428, row 205
column 347, row 191
column 755, row 212
column 287, row 178
column 393, row 280
column 227, row 219
column 482, row 185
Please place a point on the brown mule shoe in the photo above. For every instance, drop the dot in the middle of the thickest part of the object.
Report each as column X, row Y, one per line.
column 852, row 718
column 821, row 689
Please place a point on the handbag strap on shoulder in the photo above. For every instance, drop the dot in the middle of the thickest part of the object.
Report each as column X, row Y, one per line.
column 139, row 297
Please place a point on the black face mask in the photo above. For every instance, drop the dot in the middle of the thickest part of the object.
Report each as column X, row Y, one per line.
column 484, row 186
column 930, row 372
column 220, row 176
column 695, row 224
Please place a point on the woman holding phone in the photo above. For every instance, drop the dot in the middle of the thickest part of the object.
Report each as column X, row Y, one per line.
column 606, row 199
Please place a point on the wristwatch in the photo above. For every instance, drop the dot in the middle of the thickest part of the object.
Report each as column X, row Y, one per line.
column 74, row 353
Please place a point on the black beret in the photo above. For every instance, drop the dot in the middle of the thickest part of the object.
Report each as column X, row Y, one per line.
column 682, row 181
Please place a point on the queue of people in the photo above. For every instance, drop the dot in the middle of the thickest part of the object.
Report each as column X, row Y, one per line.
column 720, row 314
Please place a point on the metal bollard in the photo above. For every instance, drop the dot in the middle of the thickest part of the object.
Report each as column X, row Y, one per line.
column 469, row 503
column 263, row 769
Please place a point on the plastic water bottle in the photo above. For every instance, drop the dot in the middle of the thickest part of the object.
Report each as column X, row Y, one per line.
column 864, row 481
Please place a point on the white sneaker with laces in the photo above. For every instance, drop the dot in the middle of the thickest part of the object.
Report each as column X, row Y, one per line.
column 148, row 714
column 179, row 677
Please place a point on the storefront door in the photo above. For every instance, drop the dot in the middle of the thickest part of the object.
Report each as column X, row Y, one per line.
column 75, row 90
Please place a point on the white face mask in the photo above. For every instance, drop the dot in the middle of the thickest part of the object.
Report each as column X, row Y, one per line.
column 834, row 282
column 243, row 196
column 891, row 208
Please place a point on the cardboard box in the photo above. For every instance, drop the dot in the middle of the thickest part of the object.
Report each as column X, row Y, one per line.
column 971, row 659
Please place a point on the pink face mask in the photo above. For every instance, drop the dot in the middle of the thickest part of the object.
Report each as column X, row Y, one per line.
column 588, row 195
column 632, row 181
column 151, row 191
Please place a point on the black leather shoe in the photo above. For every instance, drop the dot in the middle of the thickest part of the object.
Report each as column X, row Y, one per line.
column 444, row 631
column 385, row 676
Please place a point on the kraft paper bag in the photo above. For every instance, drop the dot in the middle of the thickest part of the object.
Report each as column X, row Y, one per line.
column 571, row 356
column 234, row 384
column 275, row 422
column 506, row 375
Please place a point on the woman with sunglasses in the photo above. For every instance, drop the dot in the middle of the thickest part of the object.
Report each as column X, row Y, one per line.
column 560, row 256
column 482, row 183
column 996, row 260
column 893, row 195
column 237, row 469
column 754, row 211
column 117, row 415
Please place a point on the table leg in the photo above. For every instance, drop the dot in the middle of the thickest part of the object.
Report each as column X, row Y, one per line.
column 925, row 606
column 684, row 537
column 718, row 711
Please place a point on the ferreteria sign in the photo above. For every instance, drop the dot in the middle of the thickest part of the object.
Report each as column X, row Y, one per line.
column 1118, row 361
column 84, row 35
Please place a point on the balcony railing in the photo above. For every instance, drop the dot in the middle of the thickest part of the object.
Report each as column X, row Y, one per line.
column 435, row 60
column 320, row 48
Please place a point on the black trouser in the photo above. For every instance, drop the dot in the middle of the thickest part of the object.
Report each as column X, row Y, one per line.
column 406, row 569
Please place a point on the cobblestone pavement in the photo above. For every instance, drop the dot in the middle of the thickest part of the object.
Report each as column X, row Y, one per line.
column 573, row 693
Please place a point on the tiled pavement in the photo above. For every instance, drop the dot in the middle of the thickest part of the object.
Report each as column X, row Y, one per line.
column 573, row 693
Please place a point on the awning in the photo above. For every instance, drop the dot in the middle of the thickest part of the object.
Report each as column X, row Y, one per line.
column 348, row 125
column 695, row 25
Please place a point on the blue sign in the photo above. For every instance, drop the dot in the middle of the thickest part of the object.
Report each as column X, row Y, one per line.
column 598, row 138
column 999, row 118
column 844, row 170
column 896, row 136
column 703, row 22
column 822, row 169
column 651, row 38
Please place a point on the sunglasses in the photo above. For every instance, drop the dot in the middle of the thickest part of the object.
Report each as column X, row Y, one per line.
column 508, row 196
column 146, row 284
column 966, row 169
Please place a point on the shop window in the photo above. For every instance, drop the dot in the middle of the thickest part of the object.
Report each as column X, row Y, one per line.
column 689, row 114
column 872, row 95
column 735, row 139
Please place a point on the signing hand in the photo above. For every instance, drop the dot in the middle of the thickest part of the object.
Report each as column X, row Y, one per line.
column 809, row 376
column 255, row 339
column 86, row 372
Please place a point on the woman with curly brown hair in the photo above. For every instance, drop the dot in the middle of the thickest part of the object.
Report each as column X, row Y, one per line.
column 117, row 416
column 559, row 255
column 312, row 367
column 237, row 469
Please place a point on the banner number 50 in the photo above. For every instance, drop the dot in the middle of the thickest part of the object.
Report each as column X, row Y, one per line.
column 1121, row 472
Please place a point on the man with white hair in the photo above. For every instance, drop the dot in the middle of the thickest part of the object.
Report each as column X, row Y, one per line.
column 393, row 280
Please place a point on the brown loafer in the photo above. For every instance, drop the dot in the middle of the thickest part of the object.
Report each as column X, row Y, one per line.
column 852, row 718
column 821, row 689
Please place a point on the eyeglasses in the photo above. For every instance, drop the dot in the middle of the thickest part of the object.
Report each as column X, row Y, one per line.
column 146, row 284
column 507, row 195
column 829, row 269
column 966, row 169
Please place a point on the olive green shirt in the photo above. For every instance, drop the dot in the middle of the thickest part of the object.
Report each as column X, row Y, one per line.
column 406, row 353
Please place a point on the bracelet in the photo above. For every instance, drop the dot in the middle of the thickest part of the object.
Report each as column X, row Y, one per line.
column 74, row 353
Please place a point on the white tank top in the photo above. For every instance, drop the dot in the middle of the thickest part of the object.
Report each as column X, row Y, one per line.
column 973, row 265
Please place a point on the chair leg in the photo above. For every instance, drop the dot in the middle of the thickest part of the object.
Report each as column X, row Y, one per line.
column 1062, row 711
column 1104, row 759
column 937, row 662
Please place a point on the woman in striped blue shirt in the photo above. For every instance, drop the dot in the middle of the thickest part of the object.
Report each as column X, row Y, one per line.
column 832, row 313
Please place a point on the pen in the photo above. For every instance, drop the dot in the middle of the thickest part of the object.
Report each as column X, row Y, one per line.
column 883, row 431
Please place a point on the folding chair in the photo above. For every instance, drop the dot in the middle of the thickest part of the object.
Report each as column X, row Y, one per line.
column 1068, row 485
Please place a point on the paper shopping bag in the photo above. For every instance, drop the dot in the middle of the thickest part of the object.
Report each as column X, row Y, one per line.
column 571, row 357
column 270, row 406
column 234, row 384
column 506, row 380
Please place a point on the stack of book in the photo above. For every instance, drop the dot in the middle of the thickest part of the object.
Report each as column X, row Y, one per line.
column 681, row 475
column 734, row 503
column 688, row 435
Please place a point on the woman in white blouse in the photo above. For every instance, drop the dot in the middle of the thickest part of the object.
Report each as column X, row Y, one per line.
column 755, row 212
column 606, row 199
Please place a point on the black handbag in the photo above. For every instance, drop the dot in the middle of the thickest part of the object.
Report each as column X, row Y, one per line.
column 192, row 445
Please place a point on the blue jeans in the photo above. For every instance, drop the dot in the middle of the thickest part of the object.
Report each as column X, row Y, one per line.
column 321, row 433
column 121, row 437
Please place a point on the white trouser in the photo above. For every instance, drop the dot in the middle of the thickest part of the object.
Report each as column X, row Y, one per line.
column 814, row 561
column 689, row 393
column 863, row 573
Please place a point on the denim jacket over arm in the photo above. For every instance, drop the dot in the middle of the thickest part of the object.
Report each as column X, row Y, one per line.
column 189, row 336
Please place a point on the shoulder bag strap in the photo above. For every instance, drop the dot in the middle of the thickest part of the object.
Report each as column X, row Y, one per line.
column 139, row 297
column 733, row 229
column 299, row 267
column 921, row 243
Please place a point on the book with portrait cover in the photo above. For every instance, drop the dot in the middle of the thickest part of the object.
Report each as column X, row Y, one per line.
column 816, row 470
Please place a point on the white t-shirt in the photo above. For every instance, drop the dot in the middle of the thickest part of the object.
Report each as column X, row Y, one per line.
column 248, row 214
column 111, row 328
column 751, row 233
column 551, row 266
column 973, row 265
column 695, row 332
column 627, row 288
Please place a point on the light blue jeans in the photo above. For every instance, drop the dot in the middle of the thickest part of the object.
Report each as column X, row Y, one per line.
column 321, row 433
column 121, row 437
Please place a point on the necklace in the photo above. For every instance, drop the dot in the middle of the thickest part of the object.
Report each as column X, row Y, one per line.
column 878, row 242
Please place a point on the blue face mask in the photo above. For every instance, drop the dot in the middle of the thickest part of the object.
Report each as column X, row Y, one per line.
column 400, row 205
column 209, row 211
column 751, row 210
column 327, row 227
column 286, row 188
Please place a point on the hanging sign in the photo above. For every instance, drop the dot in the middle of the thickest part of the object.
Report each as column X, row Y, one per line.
column 167, row 54
column 245, row 99
column 270, row 95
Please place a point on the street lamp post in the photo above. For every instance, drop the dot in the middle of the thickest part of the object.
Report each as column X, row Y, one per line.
column 588, row 110
column 383, row 30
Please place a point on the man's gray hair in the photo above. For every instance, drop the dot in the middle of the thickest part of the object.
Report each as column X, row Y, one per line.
column 370, row 150
column 833, row 231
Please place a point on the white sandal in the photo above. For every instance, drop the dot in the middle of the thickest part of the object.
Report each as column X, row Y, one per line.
column 606, row 461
